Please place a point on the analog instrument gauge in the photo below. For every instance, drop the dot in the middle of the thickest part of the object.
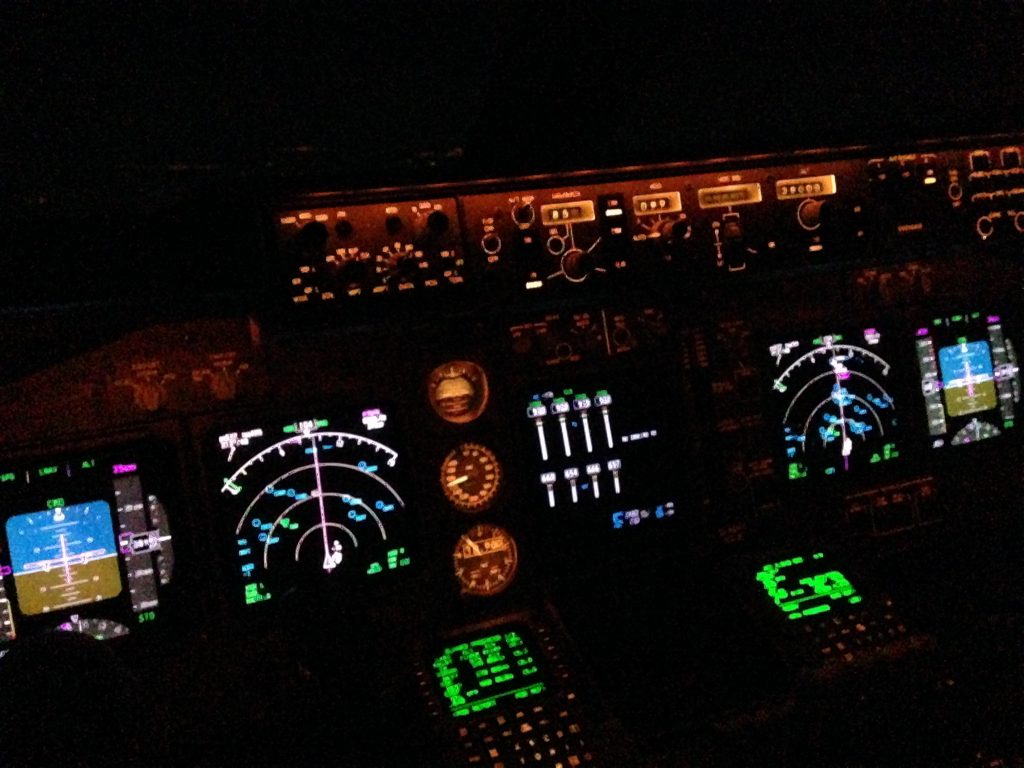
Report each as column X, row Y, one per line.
column 837, row 413
column 310, row 503
column 485, row 560
column 470, row 477
column 458, row 391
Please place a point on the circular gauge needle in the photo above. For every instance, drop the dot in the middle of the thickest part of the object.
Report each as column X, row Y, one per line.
column 329, row 563
column 458, row 480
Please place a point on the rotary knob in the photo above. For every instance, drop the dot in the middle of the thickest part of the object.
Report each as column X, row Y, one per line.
column 808, row 215
column 577, row 265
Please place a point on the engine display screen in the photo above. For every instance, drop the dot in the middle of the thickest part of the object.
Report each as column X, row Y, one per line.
column 314, row 500
column 84, row 547
column 833, row 394
column 491, row 670
column 969, row 378
column 601, row 454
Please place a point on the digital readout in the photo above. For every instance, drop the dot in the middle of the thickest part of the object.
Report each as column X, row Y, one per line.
column 486, row 672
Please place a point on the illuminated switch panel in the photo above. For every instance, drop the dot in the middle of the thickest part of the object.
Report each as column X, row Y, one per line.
column 344, row 252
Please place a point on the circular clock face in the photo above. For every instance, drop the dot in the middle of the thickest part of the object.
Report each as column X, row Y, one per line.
column 470, row 477
column 485, row 560
column 458, row 391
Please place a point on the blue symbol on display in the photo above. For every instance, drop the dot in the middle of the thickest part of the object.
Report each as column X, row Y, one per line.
column 256, row 523
column 878, row 402
column 858, row 427
column 262, row 537
column 617, row 519
column 354, row 515
column 841, row 396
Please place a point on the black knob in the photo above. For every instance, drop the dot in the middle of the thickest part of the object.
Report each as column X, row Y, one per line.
column 491, row 244
column 407, row 267
column 576, row 265
column 438, row 222
column 808, row 215
column 353, row 272
column 343, row 228
column 523, row 214
column 393, row 224
column 313, row 236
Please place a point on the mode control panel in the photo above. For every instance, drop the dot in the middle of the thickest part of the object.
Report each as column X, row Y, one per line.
column 665, row 226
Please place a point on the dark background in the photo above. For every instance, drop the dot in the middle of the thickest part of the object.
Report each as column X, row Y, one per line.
column 109, row 97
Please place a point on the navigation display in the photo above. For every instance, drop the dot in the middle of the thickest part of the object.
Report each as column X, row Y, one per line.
column 969, row 378
column 311, row 501
column 85, row 544
column 493, row 669
column 833, row 394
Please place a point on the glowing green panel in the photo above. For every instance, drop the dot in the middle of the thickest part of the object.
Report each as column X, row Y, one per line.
column 484, row 672
column 802, row 588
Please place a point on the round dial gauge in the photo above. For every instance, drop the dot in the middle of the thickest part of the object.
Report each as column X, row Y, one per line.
column 485, row 560
column 458, row 391
column 470, row 477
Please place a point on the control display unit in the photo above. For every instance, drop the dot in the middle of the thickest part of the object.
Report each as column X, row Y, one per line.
column 832, row 392
column 803, row 587
column 490, row 670
column 602, row 453
column 315, row 500
column 85, row 546
column 970, row 378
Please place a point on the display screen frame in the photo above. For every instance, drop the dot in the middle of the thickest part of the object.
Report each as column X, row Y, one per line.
column 526, row 654
column 641, row 478
column 342, row 587
column 781, row 349
column 143, row 472
column 936, row 337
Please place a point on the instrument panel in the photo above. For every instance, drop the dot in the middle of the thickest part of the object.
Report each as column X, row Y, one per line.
column 644, row 401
